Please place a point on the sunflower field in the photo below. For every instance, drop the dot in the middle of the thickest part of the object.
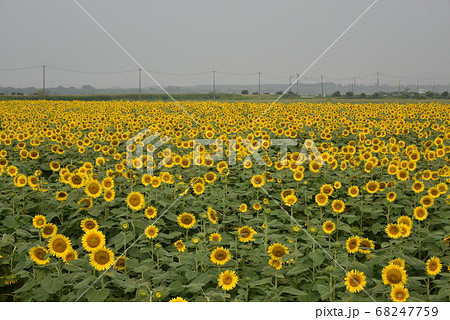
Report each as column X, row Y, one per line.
column 363, row 215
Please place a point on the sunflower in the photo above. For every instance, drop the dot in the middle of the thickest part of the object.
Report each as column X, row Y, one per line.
column 298, row 176
column 418, row 186
column 321, row 199
column 210, row 177
column 328, row 226
column 257, row 206
column 61, row 195
column 76, row 181
column 108, row 183
column 37, row 254
column 59, row 245
column 434, row 266
column 70, row 255
column 220, row 256
column 393, row 230
column 372, row 186
column 366, row 245
column 93, row 189
column 420, row 213
column 338, row 206
column 258, row 181
column 92, row 240
column 89, row 224
column 276, row 263
column 327, row 189
column 277, row 251
column 426, row 201
column 198, row 188
column 405, row 220
column 151, row 232
column 246, row 234
column 287, row 192
column 109, row 195
column 146, row 179
column 404, row 230
column 394, row 275
column 391, row 196
column 54, row 166
column 135, row 200
column 353, row 191
column 101, row 258
column 434, row 192
column 290, row 200
column 86, row 203
column 398, row 262
column 39, row 221
column 212, row 215
column 180, row 245
column 215, row 237
column 12, row 171
column 355, row 281
column 227, row 280
column 243, row 208
column 399, row 293
column 20, row 180
column 120, row 263
column 337, row 185
column 177, row 299
column 48, row 230
column 155, row 182
column 352, row 244
column 186, row 220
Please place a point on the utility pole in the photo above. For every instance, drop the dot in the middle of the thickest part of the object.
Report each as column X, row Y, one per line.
column 297, row 84
column 43, row 79
column 432, row 86
column 417, row 86
column 214, row 84
column 321, row 80
column 259, row 85
column 140, row 84
column 399, row 87
column 353, row 85
column 378, row 81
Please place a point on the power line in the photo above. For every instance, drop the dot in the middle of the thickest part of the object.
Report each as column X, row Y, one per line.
column 90, row 72
column 24, row 68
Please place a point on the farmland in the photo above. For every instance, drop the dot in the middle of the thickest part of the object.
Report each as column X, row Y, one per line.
column 94, row 207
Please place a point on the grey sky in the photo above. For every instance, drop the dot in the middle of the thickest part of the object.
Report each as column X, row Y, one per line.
column 403, row 39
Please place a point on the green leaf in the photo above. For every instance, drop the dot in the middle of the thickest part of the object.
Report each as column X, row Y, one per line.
column 97, row 295
column 317, row 257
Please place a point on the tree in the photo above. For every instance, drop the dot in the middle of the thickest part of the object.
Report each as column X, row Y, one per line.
column 444, row 94
column 42, row 92
column 336, row 94
column 349, row 94
column 363, row 95
column 244, row 92
column 429, row 94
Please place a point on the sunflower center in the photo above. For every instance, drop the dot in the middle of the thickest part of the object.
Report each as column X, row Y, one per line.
column 94, row 188
column 40, row 254
column 70, row 256
column 186, row 220
column 352, row 244
column 220, row 255
column 432, row 266
column 394, row 276
column 399, row 295
column 76, row 180
column 48, row 230
column 278, row 252
column 89, row 225
column 40, row 222
column 329, row 226
column 102, row 257
column 354, row 281
column 245, row 233
column 227, row 280
column 93, row 240
column 59, row 245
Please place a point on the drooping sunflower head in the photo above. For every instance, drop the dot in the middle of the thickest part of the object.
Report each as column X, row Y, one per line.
column 89, row 224
column 328, row 227
column 92, row 240
column 180, row 245
column 352, row 244
column 246, row 233
column 355, row 281
column 220, row 256
column 212, row 215
column 151, row 232
column 39, row 221
column 59, row 245
column 243, row 208
column 186, row 220
column 394, row 275
column 85, row 203
column 277, row 251
column 48, row 230
column 405, row 220
column 70, row 255
column 276, row 263
column 120, row 263
column 101, row 258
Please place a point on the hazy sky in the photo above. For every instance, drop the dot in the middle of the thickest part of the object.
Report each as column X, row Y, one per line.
column 403, row 39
